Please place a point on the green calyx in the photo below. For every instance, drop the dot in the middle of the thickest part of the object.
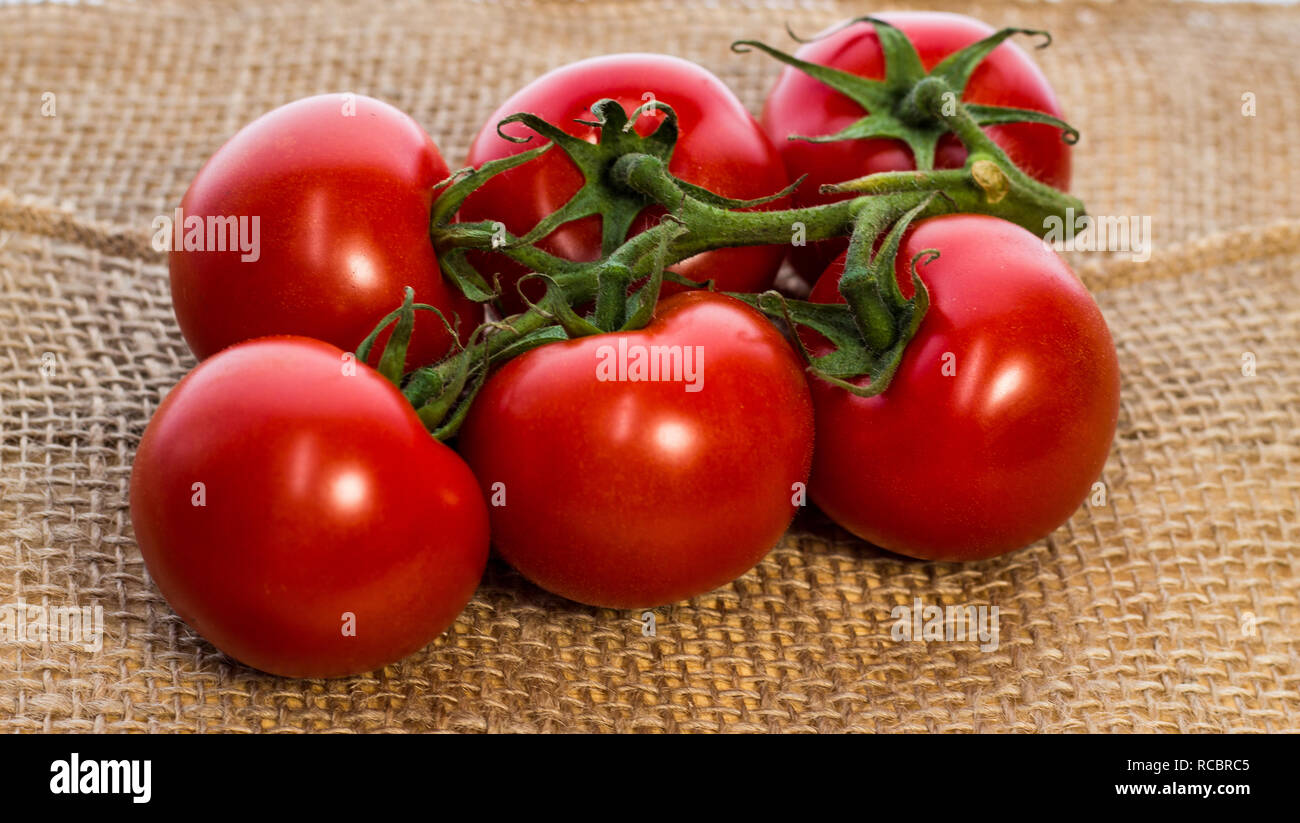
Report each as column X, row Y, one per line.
column 871, row 329
column 605, row 192
column 392, row 361
column 892, row 106
column 617, row 206
column 454, row 191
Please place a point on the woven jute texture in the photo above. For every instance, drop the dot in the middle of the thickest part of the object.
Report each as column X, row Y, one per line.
column 1168, row 603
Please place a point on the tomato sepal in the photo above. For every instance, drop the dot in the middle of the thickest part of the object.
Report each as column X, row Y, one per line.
column 892, row 108
column 455, row 189
column 618, row 207
column 705, row 196
column 392, row 360
column 870, row 331
column 556, row 307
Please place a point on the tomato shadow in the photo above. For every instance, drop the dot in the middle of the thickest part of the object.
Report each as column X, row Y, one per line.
column 812, row 522
column 503, row 587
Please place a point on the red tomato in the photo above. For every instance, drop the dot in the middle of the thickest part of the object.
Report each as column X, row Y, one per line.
column 800, row 105
column 324, row 504
column 1000, row 416
column 340, row 186
column 720, row 148
column 627, row 494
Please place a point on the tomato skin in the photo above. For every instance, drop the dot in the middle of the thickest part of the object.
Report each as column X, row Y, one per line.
column 996, row 455
column 343, row 207
column 634, row 494
column 323, row 495
column 720, row 147
column 800, row 105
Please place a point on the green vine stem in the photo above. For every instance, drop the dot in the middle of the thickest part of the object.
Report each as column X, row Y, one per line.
column 989, row 183
column 626, row 172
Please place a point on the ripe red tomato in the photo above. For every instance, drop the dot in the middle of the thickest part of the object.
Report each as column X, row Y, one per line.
column 341, row 187
column 628, row 494
column 325, row 507
column 720, row 147
column 1000, row 416
column 800, row 105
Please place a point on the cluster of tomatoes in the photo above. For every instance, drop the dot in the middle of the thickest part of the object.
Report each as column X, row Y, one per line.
column 293, row 508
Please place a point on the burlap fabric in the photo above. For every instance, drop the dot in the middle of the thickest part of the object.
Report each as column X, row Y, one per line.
column 1171, row 606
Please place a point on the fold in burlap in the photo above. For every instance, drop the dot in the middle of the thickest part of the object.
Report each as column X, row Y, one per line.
column 1172, row 606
